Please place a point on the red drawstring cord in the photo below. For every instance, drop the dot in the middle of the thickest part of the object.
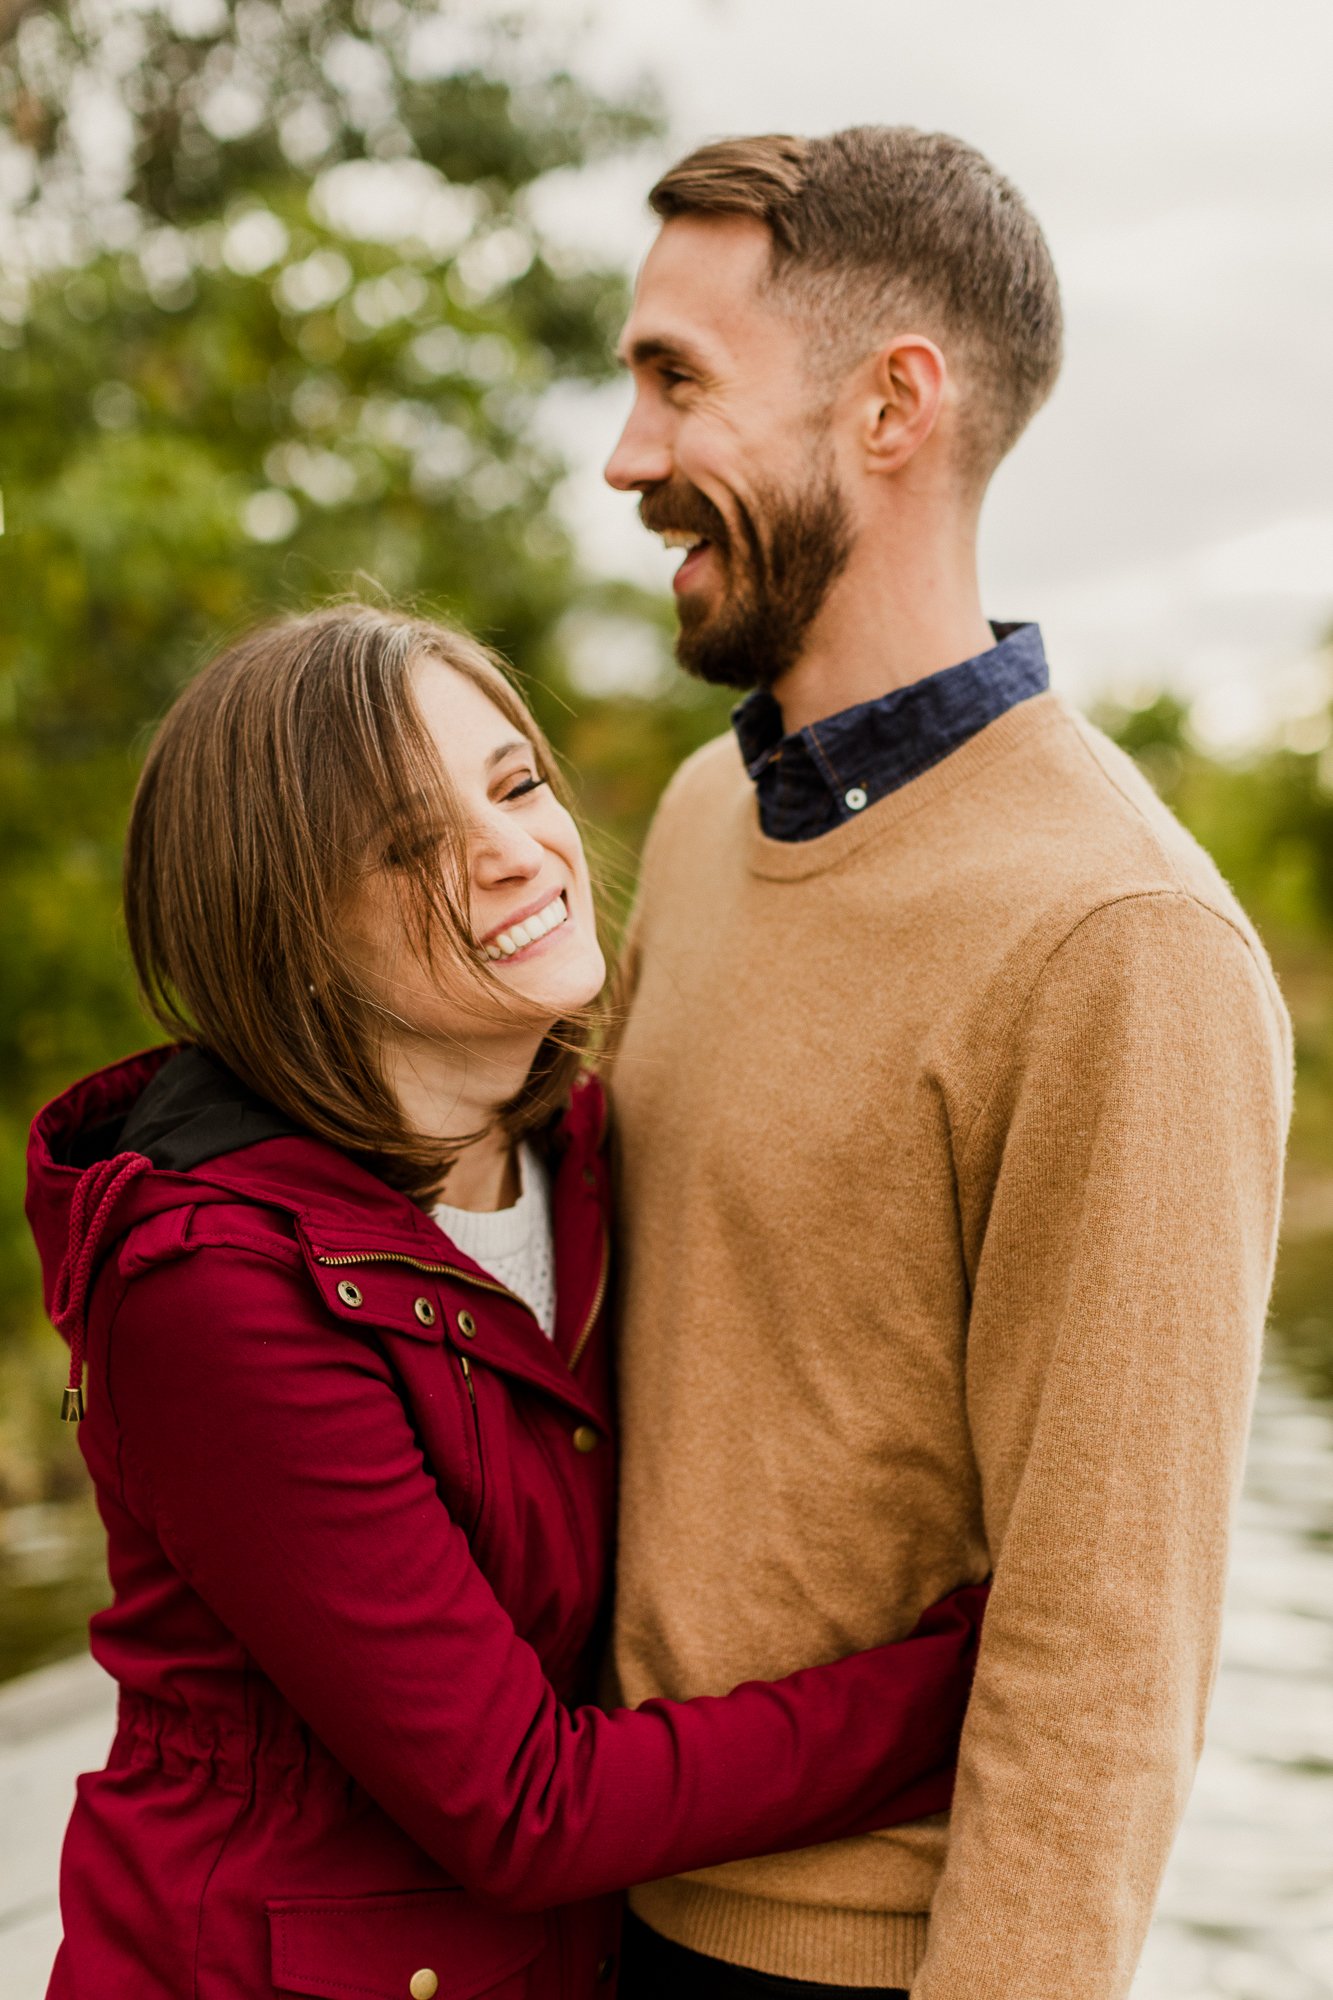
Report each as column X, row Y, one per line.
column 94, row 1198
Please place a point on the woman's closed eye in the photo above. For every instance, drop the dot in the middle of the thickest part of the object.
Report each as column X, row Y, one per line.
column 520, row 788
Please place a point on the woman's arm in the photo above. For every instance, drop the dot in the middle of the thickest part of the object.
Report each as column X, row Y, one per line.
column 275, row 1461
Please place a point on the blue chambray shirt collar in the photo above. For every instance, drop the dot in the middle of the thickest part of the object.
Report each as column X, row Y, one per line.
column 814, row 779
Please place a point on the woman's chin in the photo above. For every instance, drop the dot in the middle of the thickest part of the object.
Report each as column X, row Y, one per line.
column 576, row 987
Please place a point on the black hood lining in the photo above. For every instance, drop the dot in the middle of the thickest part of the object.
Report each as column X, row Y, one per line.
column 196, row 1109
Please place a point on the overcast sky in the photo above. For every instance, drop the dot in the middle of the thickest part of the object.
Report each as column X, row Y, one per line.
column 1169, row 517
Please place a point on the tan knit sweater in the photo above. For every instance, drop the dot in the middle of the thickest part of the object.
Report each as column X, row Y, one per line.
column 951, row 1151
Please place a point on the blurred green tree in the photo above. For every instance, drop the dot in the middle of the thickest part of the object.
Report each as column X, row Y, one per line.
column 276, row 315
column 277, row 311
column 1267, row 820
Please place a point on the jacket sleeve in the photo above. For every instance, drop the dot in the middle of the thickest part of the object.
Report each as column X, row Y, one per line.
column 274, row 1459
column 1120, row 1190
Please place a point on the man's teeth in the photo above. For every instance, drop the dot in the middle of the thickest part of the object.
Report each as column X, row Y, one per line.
column 678, row 538
column 529, row 931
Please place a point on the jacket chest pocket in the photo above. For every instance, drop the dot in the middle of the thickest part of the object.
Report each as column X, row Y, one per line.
column 428, row 1944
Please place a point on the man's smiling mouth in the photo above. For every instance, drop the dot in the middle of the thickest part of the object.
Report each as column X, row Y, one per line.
column 696, row 548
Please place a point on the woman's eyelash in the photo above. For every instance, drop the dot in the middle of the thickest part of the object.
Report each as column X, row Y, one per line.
column 523, row 787
column 406, row 851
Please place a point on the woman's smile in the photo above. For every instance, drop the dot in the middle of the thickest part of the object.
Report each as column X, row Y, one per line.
column 521, row 936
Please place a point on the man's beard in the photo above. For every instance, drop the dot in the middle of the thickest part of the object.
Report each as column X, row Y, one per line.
column 795, row 548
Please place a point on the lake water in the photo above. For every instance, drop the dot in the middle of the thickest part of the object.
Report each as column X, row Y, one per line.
column 1247, row 1906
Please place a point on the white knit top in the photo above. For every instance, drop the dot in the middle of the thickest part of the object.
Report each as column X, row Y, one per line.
column 514, row 1245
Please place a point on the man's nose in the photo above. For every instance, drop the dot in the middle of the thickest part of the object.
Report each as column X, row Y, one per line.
column 642, row 457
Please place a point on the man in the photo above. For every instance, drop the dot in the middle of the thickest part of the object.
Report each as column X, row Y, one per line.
column 951, row 1101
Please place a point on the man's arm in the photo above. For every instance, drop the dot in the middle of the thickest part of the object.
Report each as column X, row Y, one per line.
column 1120, row 1191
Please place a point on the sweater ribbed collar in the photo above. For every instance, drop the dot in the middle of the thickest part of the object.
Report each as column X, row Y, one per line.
column 793, row 861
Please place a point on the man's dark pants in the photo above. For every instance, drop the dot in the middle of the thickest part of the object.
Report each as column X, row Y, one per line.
column 652, row 1968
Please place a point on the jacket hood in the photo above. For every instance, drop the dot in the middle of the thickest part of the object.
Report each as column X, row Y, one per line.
column 174, row 1128
column 78, row 1178
column 167, row 1109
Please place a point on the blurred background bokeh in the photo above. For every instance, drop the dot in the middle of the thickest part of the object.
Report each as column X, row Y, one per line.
column 303, row 299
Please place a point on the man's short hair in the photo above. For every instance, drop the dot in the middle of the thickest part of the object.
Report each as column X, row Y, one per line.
column 882, row 229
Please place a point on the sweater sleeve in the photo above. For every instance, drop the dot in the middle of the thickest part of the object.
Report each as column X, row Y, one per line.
column 274, row 1459
column 1120, row 1193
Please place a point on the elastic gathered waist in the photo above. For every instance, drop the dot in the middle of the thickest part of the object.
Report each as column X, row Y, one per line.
column 264, row 1748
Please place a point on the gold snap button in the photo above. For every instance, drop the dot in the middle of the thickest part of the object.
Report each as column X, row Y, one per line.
column 585, row 1438
column 467, row 1326
column 423, row 1985
column 349, row 1293
column 424, row 1311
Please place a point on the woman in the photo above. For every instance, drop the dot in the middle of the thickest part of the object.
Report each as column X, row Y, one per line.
column 338, row 1269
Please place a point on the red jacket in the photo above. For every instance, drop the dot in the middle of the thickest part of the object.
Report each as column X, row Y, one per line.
column 359, row 1514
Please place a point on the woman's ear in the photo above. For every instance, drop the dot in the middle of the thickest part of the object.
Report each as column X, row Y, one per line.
column 909, row 384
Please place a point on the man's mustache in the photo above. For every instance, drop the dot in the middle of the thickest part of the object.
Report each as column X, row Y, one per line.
column 682, row 507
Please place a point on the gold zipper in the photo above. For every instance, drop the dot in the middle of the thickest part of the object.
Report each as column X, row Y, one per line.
column 433, row 1270
column 467, row 1377
column 485, row 1285
column 597, row 1298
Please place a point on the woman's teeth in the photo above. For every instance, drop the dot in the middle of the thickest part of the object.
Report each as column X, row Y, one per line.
column 528, row 932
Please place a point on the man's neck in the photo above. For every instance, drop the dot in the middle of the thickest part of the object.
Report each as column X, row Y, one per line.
column 884, row 625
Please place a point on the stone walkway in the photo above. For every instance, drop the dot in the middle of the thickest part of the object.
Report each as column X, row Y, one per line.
column 53, row 1724
column 1246, row 1911
column 1247, row 1907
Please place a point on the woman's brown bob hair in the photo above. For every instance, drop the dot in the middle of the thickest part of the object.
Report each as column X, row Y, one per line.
column 293, row 761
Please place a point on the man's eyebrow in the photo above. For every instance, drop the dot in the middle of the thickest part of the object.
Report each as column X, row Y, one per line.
column 649, row 347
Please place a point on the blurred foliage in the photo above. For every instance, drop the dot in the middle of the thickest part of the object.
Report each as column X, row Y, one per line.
column 238, row 386
column 1268, row 823
column 1303, row 1306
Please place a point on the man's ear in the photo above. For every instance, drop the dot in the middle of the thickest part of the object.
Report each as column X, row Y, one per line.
column 909, row 384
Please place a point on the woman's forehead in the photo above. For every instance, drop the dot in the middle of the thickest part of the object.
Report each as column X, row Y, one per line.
column 466, row 723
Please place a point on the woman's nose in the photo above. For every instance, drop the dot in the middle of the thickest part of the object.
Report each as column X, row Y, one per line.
column 502, row 851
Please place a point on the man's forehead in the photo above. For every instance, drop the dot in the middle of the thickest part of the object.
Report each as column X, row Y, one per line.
column 698, row 288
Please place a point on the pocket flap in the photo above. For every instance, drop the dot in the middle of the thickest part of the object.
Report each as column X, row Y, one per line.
column 370, row 1947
